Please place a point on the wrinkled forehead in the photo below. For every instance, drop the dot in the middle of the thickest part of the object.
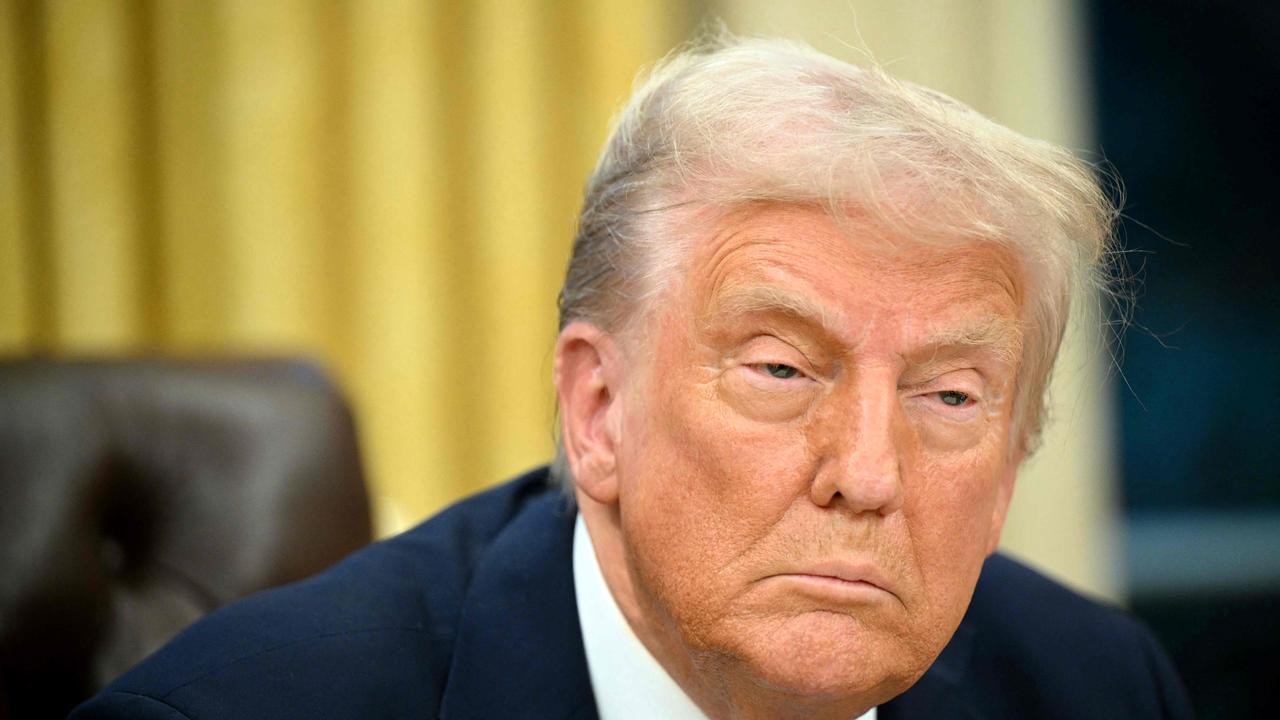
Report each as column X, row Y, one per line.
column 745, row 251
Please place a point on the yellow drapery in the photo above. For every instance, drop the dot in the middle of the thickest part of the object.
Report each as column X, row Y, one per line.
column 389, row 187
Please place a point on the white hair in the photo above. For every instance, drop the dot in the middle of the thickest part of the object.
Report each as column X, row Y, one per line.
column 729, row 121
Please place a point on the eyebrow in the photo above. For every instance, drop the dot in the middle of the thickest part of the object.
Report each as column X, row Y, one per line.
column 997, row 335
column 993, row 334
column 751, row 299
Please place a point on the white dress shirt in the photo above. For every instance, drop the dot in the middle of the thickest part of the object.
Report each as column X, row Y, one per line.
column 627, row 680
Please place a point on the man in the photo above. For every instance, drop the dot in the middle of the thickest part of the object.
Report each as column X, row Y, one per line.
column 805, row 332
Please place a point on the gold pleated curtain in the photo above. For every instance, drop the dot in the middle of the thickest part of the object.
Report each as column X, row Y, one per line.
column 388, row 186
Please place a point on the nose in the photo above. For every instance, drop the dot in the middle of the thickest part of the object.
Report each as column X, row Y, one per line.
column 861, row 465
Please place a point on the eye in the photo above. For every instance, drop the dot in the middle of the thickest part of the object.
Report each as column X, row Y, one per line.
column 780, row 371
column 954, row 398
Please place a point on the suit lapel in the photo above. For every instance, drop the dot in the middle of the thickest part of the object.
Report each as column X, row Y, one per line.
column 519, row 652
column 943, row 692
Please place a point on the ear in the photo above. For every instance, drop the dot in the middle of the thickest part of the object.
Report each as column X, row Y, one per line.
column 587, row 365
column 1004, row 495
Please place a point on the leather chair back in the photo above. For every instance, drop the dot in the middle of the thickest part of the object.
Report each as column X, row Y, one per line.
column 138, row 495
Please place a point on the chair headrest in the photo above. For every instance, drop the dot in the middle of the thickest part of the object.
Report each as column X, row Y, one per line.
column 137, row 495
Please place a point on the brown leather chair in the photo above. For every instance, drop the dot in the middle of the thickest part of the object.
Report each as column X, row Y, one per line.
column 138, row 495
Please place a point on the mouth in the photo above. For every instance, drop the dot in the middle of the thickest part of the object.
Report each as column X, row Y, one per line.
column 840, row 581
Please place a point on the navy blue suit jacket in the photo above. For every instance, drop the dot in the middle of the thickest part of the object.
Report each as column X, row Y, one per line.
column 472, row 615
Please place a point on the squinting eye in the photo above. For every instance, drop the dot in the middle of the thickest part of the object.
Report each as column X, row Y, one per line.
column 780, row 371
column 954, row 398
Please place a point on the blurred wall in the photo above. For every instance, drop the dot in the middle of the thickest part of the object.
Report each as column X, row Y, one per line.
column 1022, row 64
column 388, row 186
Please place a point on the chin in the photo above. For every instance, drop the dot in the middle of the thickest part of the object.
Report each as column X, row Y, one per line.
column 824, row 656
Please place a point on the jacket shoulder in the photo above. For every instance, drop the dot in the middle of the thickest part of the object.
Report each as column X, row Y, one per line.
column 1038, row 647
column 372, row 636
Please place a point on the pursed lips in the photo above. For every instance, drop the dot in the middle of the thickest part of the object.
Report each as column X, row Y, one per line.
column 841, row 579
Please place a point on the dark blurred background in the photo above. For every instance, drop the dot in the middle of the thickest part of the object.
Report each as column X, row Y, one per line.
column 1188, row 108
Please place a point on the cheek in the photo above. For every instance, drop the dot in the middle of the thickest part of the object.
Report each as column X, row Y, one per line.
column 704, row 453
column 948, row 510
column 708, row 479
column 701, row 489
column 954, row 487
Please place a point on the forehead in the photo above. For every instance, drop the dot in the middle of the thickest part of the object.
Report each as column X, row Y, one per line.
column 798, row 260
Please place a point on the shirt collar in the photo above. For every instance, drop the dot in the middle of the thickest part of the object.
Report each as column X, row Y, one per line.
column 627, row 680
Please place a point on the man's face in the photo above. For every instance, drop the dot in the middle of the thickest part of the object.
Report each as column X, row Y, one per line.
column 816, row 457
